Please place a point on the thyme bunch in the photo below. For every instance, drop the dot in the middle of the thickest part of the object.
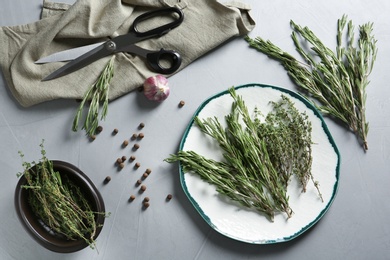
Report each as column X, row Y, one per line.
column 259, row 156
column 337, row 80
column 58, row 202
column 96, row 94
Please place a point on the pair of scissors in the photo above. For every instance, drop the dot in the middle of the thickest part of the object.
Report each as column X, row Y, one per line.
column 126, row 43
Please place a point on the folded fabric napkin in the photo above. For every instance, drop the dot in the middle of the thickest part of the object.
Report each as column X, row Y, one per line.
column 206, row 25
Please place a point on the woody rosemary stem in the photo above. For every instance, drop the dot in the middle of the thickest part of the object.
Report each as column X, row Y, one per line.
column 336, row 80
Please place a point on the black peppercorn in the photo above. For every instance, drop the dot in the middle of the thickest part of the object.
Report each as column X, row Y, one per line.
column 125, row 143
column 107, row 179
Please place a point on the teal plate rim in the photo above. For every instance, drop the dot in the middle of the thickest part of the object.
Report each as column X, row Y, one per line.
column 327, row 132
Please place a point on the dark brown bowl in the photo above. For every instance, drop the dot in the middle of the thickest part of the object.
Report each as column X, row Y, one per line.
column 42, row 233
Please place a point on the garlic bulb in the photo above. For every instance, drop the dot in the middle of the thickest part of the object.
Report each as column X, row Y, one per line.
column 156, row 88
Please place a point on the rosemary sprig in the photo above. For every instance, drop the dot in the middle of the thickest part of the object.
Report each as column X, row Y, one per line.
column 96, row 94
column 339, row 79
column 260, row 156
column 58, row 202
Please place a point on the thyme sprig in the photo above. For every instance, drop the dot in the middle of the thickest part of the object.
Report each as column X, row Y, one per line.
column 96, row 94
column 260, row 156
column 58, row 202
column 339, row 79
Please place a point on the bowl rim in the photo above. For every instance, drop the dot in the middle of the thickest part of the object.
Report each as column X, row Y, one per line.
column 37, row 231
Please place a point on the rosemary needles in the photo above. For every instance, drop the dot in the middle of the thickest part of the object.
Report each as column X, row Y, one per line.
column 261, row 154
column 96, row 94
column 337, row 80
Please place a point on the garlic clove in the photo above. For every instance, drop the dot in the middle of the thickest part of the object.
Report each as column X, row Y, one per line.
column 156, row 88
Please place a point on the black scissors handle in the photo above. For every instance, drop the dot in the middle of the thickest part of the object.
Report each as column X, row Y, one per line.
column 156, row 59
column 158, row 31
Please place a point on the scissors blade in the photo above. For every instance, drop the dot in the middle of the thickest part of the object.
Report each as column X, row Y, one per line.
column 68, row 55
column 80, row 62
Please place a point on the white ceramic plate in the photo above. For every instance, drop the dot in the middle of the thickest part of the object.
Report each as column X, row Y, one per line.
column 237, row 222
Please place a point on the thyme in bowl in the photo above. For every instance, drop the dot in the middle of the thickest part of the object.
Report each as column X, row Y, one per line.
column 339, row 79
column 58, row 202
column 260, row 156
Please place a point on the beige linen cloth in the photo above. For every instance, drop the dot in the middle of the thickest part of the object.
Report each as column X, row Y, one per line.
column 207, row 24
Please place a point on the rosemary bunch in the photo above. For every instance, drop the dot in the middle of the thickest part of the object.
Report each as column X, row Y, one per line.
column 96, row 94
column 257, row 163
column 337, row 80
column 58, row 202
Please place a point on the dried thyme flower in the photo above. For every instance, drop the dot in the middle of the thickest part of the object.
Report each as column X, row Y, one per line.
column 249, row 173
column 339, row 79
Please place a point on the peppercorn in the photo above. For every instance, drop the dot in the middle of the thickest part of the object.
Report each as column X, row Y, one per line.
column 119, row 161
column 124, row 158
column 99, row 129
column 125, row 143
column 138, row 183
column 148, row 170
column 143, row 188
column 146, row 199
column 169, row 197
column 115, row 131
column 132, row 158
column 107, row 179
column 137, row 165
column 141, row 135
column 93, row 137
column 136, row 146
column 121, row 165
column 145, row 175
column 146, row 205
column 181, row 103
column 141, row 125
column 132, row 197
column 134, row 136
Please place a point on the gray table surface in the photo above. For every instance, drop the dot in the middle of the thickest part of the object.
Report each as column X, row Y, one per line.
column 355, row 227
